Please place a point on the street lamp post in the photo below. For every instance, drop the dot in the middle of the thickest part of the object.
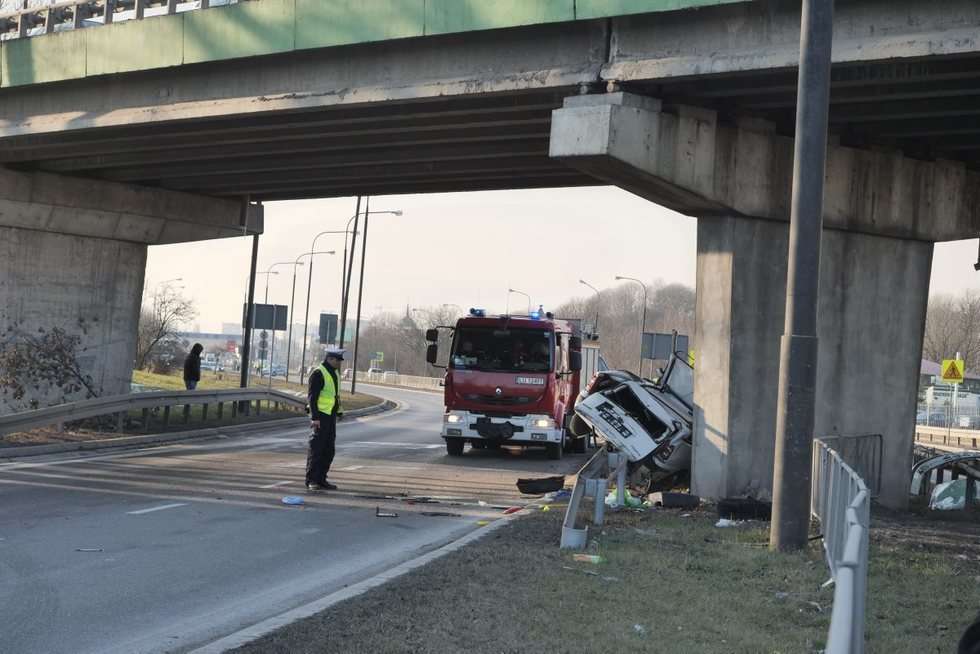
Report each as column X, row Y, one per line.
column 292, row 300
column 595, row 328
column 272, row 355
column 514, row 290
column 643, row 321
column 349, row 266
column 309, row 287
column 360, row 287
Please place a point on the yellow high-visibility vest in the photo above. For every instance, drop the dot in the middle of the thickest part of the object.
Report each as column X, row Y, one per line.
column 328, row 394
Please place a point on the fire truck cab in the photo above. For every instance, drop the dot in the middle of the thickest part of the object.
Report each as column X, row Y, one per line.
column 510, row 380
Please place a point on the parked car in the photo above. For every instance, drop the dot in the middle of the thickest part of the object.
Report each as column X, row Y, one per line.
column 651, row 422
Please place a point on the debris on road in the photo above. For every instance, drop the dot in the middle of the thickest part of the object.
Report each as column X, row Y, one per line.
column 588, row 558
column 441, row 514
column 89, row 549
column 513, row 509
column 482, row 523
column 744, row 508
column 725, row 522
column 629, row 500
column 378, row 513
column 640, row 629
column 670, row 500
column 293, row 500
column 949, row 496
column 542, row 485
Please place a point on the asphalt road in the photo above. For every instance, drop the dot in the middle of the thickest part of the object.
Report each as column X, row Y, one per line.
column 166, row 549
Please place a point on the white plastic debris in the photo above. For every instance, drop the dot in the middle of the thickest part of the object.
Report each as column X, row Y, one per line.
column 725, row 522
column 949, row 496
column 640, row 629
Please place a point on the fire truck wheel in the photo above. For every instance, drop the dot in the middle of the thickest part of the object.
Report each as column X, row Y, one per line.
column 555, row 450
column 454, row 446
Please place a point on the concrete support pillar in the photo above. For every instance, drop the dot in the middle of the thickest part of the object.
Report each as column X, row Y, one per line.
column 873, row 296
column 89, row 287
column 72, row 257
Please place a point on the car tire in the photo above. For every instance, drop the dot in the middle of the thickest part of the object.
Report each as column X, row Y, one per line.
column 454, row 446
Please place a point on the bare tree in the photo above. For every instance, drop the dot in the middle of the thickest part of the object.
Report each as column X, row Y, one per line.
column 953, row 325
column 160, row 319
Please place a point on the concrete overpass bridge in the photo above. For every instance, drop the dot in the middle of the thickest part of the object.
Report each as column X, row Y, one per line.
column 163, row 129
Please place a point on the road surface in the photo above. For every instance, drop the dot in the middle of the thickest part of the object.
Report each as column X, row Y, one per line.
column 166, row 549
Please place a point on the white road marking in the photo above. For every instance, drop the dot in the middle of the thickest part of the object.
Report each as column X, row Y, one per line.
column 278, row 483
column 350, row 468
column 156, row 508
column 414, row 446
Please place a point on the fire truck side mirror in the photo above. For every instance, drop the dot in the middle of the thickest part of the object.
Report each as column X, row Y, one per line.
column 575, row 343
column 574, row 360
column 431, row 352
column 432, row 335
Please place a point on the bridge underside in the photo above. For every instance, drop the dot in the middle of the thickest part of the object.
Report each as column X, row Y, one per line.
column 473, row 111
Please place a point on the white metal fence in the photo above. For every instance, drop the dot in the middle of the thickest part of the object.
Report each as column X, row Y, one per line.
column 842, row 503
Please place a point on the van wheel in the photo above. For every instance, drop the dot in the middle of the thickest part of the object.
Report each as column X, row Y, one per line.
column 454, row 446
column 554, row 451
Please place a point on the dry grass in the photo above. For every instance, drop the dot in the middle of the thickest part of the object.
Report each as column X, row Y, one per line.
column 670, row 584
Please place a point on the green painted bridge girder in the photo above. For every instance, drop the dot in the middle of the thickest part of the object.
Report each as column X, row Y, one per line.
column 262, row 27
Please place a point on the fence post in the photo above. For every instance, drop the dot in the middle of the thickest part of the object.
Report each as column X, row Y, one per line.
column 166, row 417
column 221, row 410
column 120, row 421
column 204, row 413
column 146, row 420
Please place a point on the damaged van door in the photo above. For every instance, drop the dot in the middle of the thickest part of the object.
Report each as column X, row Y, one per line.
column 650, row 422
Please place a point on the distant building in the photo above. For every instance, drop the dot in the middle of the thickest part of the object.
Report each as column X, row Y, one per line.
column 232, row 328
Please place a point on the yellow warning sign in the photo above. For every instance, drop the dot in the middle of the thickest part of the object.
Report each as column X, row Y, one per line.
column 953, row 371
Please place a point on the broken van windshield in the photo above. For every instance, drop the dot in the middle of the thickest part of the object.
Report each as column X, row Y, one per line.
column 495, row 350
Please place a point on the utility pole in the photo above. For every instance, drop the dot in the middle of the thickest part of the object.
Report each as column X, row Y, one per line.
column 798, row 348
column 350, row 271
column 360, row 294
column 250, row 304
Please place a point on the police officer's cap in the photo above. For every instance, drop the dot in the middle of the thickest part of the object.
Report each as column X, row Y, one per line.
column 336, row 353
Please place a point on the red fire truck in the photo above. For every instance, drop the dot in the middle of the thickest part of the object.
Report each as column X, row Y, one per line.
column 510, row 380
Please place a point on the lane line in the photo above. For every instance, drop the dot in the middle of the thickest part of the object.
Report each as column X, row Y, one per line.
column 156, row 508
column 278, row 483
column 349, row 468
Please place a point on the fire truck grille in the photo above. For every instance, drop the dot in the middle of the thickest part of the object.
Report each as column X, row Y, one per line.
column 499, row 401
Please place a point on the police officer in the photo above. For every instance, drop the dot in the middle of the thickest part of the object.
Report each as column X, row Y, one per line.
column 324, row 398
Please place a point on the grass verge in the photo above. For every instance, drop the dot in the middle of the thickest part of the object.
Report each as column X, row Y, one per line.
column 669, row 584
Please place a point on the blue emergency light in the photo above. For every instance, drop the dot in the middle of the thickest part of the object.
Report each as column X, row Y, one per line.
column 478, row 313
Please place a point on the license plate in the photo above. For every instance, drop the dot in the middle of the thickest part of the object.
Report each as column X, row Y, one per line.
column 539, row 437
column 454, row 432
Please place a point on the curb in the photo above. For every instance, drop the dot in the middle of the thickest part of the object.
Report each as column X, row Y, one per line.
column 161, row 439
column 267, row 626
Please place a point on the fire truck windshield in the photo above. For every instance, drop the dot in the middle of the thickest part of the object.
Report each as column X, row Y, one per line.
column 502, row 350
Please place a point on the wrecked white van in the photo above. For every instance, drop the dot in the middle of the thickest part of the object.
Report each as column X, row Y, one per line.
column 650, row 421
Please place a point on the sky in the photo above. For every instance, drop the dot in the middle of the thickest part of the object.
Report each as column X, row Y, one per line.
column 465, row 249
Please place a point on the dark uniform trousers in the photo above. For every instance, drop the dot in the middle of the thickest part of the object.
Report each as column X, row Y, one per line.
column 321, row 451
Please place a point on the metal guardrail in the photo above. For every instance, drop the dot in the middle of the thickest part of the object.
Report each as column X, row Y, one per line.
column 240, row 399
column 965, row 438
column 593, row 481
column 842, row 503
column 394, row 379
column 72, row 14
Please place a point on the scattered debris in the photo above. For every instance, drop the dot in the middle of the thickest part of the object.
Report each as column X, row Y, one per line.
column 588, row 558
column 89, row 549
column 781, row 595
column 441, row 514
column 513, row 509
column 293, row 500
column 744, row 508
column 378, row 513
column 674, row 500
column 629, row 500
column 541, row 486
column 482, row 503
column 725, row 522
column 645, row 532
column 640, row 629
column 610, row 579
column 949, row 496
column 816, row 606
column 482, row 523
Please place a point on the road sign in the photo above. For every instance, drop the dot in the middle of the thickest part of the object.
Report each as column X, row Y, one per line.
column 328, row 328
column 380, row 356
column 953, row 371
column 269, row 316
column 659, row 346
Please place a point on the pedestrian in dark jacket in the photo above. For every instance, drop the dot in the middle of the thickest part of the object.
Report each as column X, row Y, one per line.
column 192, row 367
column 324, row 399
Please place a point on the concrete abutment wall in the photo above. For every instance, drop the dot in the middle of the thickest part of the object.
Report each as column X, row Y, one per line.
column 88, row 287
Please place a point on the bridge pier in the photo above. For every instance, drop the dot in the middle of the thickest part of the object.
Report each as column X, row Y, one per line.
column 873, row 295
column 73, row 257
column 882, row 214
